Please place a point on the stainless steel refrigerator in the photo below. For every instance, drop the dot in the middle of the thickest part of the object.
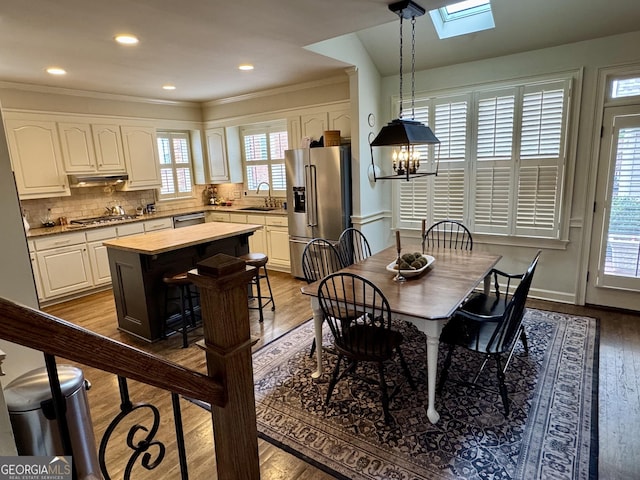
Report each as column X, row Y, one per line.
column 318, row 197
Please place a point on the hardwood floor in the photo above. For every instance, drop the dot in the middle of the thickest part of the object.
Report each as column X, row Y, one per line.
column 619, row 388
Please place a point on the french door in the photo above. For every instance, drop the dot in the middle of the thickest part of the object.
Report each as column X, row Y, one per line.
column 614, row 263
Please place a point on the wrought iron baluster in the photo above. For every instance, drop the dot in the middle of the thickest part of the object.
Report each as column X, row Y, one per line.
column 141, row 448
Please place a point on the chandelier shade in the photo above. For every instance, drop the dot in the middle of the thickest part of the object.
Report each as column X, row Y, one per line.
column 401, row 132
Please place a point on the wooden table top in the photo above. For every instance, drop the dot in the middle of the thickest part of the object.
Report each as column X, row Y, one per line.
column 436, row 293
column 153, row 243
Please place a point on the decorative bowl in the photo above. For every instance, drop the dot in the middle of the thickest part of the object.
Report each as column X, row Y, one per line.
column 412, row 273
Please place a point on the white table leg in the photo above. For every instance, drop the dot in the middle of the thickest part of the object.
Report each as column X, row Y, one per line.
column 317, row 323
column 432, row 329
column 432, row 372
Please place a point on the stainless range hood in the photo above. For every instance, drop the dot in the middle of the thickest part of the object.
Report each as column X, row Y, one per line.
column 96, row 180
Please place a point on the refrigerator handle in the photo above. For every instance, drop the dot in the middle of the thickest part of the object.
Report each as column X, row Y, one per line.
column 312, row 201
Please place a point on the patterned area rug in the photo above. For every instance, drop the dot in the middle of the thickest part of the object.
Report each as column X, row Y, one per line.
column 551, row 431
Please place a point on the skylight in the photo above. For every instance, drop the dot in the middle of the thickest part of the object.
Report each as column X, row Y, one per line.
column 462, row 18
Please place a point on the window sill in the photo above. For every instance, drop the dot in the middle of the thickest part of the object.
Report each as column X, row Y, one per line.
column 511, row 241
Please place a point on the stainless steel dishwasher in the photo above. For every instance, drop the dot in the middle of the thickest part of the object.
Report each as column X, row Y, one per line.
column 180, row 221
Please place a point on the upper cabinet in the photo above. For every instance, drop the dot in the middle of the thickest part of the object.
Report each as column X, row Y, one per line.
column 314, row 123
column 108, row 146
column 36, row 158
column 224, row 163
column 76, row 142
column 91, row 148
column 141, row 157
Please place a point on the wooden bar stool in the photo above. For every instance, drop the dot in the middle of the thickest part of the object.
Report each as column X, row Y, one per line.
column 187, row 295
column 259, row 260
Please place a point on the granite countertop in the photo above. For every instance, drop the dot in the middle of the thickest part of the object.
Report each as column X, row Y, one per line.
column 44, row 231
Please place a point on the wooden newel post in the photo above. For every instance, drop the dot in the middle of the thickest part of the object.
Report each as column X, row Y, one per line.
column 222, row 281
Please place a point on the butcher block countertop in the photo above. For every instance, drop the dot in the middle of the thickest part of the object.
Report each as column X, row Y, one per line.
column 162, row 241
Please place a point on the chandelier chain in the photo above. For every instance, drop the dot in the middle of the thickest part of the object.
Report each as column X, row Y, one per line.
column 413, row 67
column 401, row 64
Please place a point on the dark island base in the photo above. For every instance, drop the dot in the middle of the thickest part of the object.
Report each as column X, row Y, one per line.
column 137, row 282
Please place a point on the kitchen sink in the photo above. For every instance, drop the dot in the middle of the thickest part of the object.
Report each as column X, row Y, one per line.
column 258, row 209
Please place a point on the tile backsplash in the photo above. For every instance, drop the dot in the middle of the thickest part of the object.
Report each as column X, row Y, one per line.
column 92, row 202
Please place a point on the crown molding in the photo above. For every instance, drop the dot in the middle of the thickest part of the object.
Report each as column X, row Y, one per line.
column 278, row 90
column 29, row 87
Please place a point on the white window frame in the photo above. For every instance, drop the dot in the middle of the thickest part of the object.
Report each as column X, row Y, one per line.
column 510, row 231
column 174, row 167
column 277, row 187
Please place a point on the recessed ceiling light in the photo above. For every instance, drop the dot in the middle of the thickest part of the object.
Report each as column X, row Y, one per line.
column 169, row 87
column 56, row 71
column 245, row 67
column 126, row 39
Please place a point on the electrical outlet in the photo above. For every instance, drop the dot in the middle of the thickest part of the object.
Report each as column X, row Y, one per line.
column 236, row 195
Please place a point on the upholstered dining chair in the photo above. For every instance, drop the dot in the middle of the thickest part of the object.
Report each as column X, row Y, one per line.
column 448, row 234
column 491, row 325
column 359, row 317
column 319, row 259
column 353, row 246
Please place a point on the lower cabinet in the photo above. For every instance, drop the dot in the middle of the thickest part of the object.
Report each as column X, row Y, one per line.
column 70, row 263
column 258, row 241
column 217, row 217
column 278, row 247
column 98, row 254
column 272, row 239
column 65, row 269
column 159, row 224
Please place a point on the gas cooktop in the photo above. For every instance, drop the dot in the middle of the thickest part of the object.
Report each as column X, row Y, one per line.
column 103, row 219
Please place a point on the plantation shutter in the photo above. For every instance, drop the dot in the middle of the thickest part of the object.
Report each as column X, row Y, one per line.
column 449, row 185
column 278, row 142
column 263, row 147
column 501, row 158
column 175, row 165
column 542, row 156
column 494, row 161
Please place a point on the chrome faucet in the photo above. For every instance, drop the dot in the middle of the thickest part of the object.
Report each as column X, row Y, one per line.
column 269, row 200
column 263, row 183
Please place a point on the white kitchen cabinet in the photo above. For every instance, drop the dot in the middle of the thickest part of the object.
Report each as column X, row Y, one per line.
column 217, row 155
column 141, row 157
column 238, row 218
column 158, row 224
column 36, row 158
column 76, row 142
column 107, row 140
column 341, row 120
column 221, row 142
column 66, row 268
column 130, row 229
column 98, row 257
column 313, row 125
column 277, row 237
column 217, row 217
column 272, row 239
column 257, row 241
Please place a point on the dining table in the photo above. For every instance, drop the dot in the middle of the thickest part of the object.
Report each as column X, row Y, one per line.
column 427, row 300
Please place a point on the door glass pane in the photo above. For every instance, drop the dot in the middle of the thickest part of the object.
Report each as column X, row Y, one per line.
column 623, row 234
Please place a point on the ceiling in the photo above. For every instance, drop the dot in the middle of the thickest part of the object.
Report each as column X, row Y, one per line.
column 197, row 45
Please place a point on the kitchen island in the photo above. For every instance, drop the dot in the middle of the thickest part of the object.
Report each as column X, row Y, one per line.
column 139, row 262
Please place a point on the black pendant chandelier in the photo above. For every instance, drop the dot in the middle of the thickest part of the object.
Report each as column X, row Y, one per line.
column 403, row 135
